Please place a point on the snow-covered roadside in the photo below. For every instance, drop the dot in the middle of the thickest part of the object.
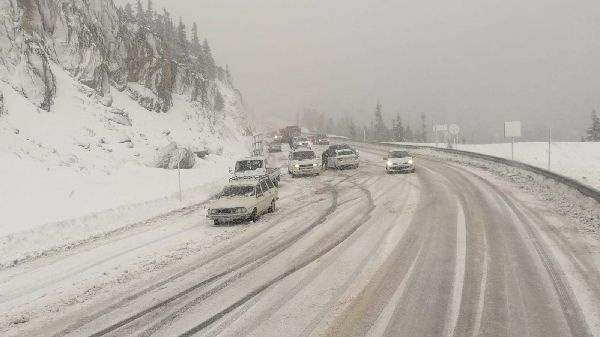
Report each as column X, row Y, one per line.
column 74, row 173
column 577, row 160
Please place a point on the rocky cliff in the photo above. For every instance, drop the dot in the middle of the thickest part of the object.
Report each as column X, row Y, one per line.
column 104, row 49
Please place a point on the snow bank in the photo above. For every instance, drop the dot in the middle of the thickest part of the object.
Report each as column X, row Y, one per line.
column 73, row 172
column 577, row 160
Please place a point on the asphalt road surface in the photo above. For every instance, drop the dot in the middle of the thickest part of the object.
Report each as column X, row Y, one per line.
column 446, row 251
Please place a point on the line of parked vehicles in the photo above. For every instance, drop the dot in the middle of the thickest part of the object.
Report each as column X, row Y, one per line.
column 253, row 186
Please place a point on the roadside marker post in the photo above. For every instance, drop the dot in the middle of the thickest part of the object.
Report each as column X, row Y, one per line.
column 549, row 148
column 179, row 174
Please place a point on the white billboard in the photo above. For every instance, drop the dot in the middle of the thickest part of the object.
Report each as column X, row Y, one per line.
column 512, row 129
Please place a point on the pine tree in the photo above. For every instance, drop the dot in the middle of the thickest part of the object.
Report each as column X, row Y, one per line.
column 128, row 12
column 352, row 129
column 398, row 129
column 149, row 16
column 139, row 13
column 380, row 128
column 594, row 131
column 219, row 102
column 423, row 129
column 195, row 46
column 182, row 40
column 211, row 67
column 408, row 133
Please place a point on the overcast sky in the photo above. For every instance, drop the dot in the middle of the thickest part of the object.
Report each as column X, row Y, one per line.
column 473, row 62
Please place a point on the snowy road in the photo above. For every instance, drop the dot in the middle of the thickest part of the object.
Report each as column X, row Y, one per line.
column 448, row 251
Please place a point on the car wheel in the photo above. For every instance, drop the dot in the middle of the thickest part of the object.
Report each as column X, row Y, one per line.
column 217, row 222
column 254, row 215
column 272, row 208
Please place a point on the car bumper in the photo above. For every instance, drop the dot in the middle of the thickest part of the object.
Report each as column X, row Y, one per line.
column 229, row 217
column 401, row 168
column 344, row 164
column 308, row 171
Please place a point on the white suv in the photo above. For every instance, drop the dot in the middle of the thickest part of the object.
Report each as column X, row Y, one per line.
column 244, row 199
column 303, row 162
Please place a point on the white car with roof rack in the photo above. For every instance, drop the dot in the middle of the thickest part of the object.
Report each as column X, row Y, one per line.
column 244, row 199
column 303, row 162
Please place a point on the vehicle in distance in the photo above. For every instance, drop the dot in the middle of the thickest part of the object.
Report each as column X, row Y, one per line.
column 274, row 146
column 244, row 199
column 321, row 140
column 399, row 161
column 289, row 132
column 342, row 158
column 303, row 162
column 256, row 167
column 301, row 142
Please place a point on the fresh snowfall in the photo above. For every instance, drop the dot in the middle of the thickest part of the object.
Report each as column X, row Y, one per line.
column 97, row 112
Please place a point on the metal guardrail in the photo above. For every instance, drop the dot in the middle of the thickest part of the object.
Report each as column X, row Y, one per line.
column 582, row 188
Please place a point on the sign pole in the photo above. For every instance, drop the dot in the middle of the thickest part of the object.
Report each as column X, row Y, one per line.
column 512, row 148
column 549, row 147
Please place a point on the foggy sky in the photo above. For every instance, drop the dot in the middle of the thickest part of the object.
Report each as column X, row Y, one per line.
column 473, row 62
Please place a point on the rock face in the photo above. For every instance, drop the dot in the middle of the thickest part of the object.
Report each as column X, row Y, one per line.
column 170, row 155
column 101, row 49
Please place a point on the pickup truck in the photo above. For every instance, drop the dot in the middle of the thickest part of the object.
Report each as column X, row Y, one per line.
column 256, row 167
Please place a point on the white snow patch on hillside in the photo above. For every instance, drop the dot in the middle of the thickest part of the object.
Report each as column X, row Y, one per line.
column 577, row 160
column 70, row 173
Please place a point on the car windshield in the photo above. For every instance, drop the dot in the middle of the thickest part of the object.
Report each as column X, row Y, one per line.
column 302, row 140
column 302, row 155
column 238, row 190
column 345, row 153
column 248, row 165
column 399, row 154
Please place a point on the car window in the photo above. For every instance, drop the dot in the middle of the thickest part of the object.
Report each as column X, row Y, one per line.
column 258, row 190
column 399, row 154
column 270, row 183
column 238, row 190
column 248, row 165
column 345, row 152
column 301, row 155
column 264, row 186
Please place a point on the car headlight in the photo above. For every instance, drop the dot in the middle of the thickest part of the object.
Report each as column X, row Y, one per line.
column 315, row 164
column 241, row 210
column 389, row 163
column 410, row 161
column 297, row 166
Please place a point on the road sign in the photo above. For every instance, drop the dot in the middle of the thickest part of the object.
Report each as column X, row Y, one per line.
column 512, row 129
column 441, row 127
column 453, row 129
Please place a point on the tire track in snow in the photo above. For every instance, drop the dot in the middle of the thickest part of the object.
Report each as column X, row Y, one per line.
column 203, row 325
